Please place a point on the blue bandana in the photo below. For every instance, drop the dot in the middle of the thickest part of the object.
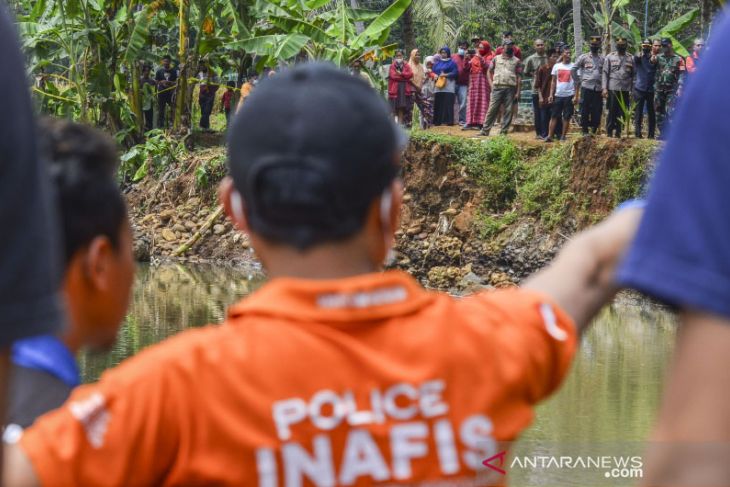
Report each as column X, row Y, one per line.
column 48, row 354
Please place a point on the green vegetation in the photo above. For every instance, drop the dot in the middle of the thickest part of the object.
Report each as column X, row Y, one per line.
column 153, row 156
column 528, row 181
column 627, row 180
column 544, row 192
column 494, row 164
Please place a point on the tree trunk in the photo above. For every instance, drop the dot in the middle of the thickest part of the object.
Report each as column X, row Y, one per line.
column 182, row 80
column 409, row 36
column 577, row 28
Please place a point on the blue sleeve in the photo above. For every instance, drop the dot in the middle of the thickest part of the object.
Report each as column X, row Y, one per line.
column 681, row 253
column 454, row 71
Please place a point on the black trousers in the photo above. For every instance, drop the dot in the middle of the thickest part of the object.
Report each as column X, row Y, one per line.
column 544, row 120
column 206, row 108
column 443, row 108
column 615, row 120
column 163, row 101
column 148, row 122
column 539, row 116
column 644, row 98
column 591, row 110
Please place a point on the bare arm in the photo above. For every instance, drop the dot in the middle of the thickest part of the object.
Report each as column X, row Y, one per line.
column 580, row 279
column 18, row 471
column 553, row 87
column 694, row 424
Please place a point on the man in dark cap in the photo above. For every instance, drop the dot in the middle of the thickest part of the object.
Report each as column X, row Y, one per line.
column 646, row 64
column 333, row 373
column 618, row 79
column 507, row 36
column 589, row 84
column 669, row 74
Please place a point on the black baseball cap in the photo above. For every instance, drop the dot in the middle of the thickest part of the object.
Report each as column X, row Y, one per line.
column 309, row 151
column 507, row 33
column 666, row 41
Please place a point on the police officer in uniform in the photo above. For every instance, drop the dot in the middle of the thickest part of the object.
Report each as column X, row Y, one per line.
column 618, row 79
column 669, row 73
column 589, row 83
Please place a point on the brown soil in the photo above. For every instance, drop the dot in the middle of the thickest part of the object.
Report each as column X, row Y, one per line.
column 440, row 240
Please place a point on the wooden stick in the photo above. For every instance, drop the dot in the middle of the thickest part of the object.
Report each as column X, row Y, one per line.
column 206, row 226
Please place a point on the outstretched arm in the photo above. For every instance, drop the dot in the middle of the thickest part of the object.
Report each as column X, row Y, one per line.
column 581, row 278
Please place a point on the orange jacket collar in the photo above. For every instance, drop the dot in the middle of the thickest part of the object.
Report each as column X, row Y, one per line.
column 366, row 297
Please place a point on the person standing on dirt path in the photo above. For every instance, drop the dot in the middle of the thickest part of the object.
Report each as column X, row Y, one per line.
column 669, row 73
column 148, row 87
column 400, row 89
column 206, row 96
column 447, row 72
column 166, row 78
column 479, row 89
column 425, row 107
column 377, row 380
column 505, row 78
column 532, row 64
column 227, row 101
column 618, row 80
column 646, row 65
column 589, row 84
column 563, row 95
column 543, row 87
column 462, row 58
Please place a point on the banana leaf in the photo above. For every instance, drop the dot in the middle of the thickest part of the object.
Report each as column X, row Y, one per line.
column 387, row 18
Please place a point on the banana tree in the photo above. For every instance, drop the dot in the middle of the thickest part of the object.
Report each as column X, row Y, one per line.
column 86, row 50
column 629, row 28
column 320, row 29
column 614, row 19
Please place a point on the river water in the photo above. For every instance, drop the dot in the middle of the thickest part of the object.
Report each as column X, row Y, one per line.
column 612, row 392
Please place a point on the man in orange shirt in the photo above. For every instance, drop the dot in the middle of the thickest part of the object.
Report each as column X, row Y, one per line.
column 333, row 373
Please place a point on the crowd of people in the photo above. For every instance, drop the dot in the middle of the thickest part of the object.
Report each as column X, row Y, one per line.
column 477, row 86
column 334, row 372
column 158, row 94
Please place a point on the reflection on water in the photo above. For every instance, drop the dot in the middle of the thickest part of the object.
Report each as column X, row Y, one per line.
column 167, row 300
column 612, row 392
column 614, row 389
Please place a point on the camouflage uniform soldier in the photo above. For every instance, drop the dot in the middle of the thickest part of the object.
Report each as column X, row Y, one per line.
column 670, row 68
column 618, row 79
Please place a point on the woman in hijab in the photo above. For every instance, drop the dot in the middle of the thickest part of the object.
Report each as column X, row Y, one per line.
column 419, row 79
column 479, row 89
column 447, row 71
column 400, row 89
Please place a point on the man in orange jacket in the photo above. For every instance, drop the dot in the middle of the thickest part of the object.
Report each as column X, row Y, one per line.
column 333, row 373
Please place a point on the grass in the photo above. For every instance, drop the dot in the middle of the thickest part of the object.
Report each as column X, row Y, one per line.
column 524, row 182
column 628, row 180
column 544, row 192
column 495, row 164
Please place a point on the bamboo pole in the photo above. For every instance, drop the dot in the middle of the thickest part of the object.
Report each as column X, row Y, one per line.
column 197, row 236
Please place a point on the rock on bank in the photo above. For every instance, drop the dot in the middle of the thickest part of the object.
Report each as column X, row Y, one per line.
column 476, row 212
